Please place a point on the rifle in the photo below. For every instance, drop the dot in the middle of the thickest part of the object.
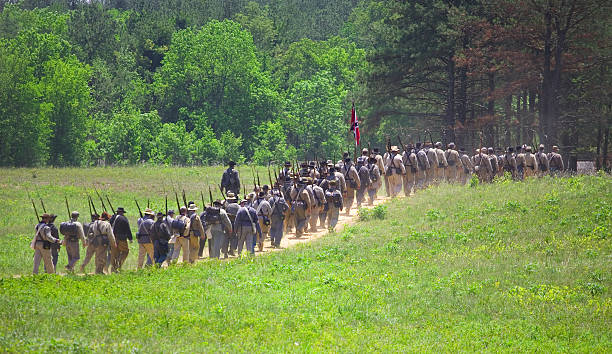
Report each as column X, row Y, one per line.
column 430, row 138
column 110, row 204
column 244, row 191
column 92, row 205
column 35, row 210
column 99, row 196
column 184, row 198
column 258, row 181
column 43, row 206
column 223, row 194
column 210, row 195
column 202, row 196
column 253, row 169
column 270, row 176
column 402, row 144
column 89, row 207
column 166, row 205
column 178, row 204
column 388, row 145
column 67, row 207
column 138, row 206
column 275, row 176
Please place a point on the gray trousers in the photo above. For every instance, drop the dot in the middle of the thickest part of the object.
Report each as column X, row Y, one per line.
column 72, row 249
column 45, row 255
column 276, row 230
column 245, row 235
column 217, row 241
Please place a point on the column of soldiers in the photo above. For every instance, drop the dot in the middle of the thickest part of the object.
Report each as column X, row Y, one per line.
column 303, row 200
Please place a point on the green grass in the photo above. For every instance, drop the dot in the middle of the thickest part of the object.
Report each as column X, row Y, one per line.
column 504, row 267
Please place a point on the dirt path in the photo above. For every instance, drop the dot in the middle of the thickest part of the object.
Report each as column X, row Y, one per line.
column 289, row 240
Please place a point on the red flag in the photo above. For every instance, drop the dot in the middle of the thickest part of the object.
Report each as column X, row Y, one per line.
column 355, row 125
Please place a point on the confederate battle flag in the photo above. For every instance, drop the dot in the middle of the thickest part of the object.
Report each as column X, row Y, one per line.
column 355, row 125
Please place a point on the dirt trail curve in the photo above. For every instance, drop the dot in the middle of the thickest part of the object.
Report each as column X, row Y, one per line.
column 289, row 240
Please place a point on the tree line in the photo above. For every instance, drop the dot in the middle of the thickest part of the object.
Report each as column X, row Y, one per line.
column 199, row 82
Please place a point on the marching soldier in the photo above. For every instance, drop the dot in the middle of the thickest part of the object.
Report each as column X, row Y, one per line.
column 145, row 243
column 55, row 247
column 231, row 241
column 160, row 236
column 180, row 230
column 73, row 232
column 495, row 167
column 123, row 233
column 102, row 236
column 318, row 202
column 531, row 164
column 483, row 166
column 364, row 178
column 313, row 173
column 375, row 179
column 195, row 231
column 247, row 227
column 442, row 163
column 230, row 181
column 218, row 225
column 520, row 162
column 263, row 210
column 43, row 239
column 335, row 205
column 542, row 160
column 455, row 168
column 395, row 171
column 509, row 162
column 433, row 163
column 380, row 163
column 411, row 165
column 351, row 176
column 423, row 167
column 556, row 162
column 467, row 166
column 277, row 215
column 301, row 206
column 90, row 249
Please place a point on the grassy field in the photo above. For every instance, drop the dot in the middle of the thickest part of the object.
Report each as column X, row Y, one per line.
column 503, row 267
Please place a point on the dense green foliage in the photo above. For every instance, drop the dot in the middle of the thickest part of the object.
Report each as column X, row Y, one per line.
column 511, row 266
column 199, row 82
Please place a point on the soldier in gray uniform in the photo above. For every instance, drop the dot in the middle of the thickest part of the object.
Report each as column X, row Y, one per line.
column 364, row 179
column 42, row 245
column 334, row 205
column 231, row 241
column 424, row 167
column 218, row 226
column 352, row 183
column 467, row 166
column 263, row 209
column 433, row 163
column 73, row 232
column 412, row 167
column 277, row 215
column 317, row 206
column 375, row 180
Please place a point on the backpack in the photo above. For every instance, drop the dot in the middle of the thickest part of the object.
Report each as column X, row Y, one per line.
column 373, row 176
column 69, row 228
column 364, row 176
column 192, row 230
column 178, row 225
column 213, row 215
column 337, row 199
column 232, row 177
column 541, row 164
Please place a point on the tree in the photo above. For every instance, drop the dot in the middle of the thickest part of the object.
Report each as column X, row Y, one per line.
column 214, row 71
